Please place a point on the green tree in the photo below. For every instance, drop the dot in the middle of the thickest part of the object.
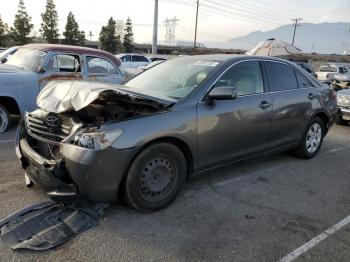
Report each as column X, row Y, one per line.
column 128, row 42
column 22, row 25
column 49, row 29
column 3, row 33
column 72, row 35
column 109, row 39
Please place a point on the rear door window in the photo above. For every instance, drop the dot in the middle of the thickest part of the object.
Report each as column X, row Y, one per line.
column 302, row 81
column 281, row 77
column 139, row 58
column 126, row 58
column 97, row 65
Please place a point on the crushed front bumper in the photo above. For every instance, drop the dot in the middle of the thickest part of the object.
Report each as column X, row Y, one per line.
column 93, row 174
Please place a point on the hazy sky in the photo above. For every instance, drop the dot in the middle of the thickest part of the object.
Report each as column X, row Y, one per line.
column 219, row 20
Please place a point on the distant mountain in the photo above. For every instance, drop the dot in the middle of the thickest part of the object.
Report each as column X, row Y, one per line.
column 325, row 38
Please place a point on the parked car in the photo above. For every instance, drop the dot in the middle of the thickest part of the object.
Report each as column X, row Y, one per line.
column 31, row 67
column 341, row 81
column 180, row 118
column 156, row 58
column 307, row 67
column 8, row 52
column 133, row 60
column 141, row 69
column 326, row 73
column 343, row 101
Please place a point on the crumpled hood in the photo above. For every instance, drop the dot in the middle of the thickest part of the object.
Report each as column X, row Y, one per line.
column 62, row 96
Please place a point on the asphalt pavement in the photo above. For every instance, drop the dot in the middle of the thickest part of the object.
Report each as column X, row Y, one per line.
column 258, row 210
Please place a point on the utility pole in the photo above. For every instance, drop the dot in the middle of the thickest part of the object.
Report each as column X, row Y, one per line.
column 155, row 28
column 195, row 30
column 296, row 23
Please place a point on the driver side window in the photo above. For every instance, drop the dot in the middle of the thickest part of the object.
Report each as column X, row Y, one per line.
column 246, row 77
column 64, row 63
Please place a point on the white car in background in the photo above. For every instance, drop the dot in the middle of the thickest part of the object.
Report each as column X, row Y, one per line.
column 133, row 60
column 6, row 53
column 326, row 73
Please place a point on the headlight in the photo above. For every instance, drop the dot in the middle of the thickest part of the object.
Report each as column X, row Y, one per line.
column 98, row 140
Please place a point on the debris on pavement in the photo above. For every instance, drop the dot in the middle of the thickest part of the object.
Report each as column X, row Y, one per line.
column 45, row 225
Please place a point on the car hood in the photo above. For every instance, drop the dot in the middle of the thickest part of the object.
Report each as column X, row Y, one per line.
column 4, row 68
column 62, row 96
column 342, row 77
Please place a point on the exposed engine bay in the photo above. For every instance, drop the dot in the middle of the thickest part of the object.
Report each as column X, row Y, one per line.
column 111, row 106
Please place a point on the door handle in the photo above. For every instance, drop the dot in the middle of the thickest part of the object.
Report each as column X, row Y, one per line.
column 311, row 96
column 264, row 105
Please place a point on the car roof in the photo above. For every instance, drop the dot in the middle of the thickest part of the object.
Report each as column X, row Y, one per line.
column 223, row 58
column 120, row 55
column 75, row 49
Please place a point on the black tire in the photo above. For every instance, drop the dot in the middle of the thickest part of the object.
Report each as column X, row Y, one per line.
column 5, row 119
column 303, row 150
column 340, row 121
column 155, row 177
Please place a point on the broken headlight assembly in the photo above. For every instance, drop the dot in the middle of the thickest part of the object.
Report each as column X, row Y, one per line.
column 97, row 140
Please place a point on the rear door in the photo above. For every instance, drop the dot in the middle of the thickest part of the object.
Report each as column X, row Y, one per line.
column 101, row 70
column 233, row 129
column 292, row 105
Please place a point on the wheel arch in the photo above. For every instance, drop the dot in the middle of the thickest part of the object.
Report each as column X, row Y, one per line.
column 10, row 104
column 325, row 119
column 179, row 143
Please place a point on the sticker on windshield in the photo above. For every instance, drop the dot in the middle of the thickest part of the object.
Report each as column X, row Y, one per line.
column 206, row 63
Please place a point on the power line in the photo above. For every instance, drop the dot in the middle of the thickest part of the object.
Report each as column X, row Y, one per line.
column 251, row 12
column 236, row 15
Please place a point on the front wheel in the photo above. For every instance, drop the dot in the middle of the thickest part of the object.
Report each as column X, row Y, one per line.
column 312, row 139
column 4, row 119
column 155, row 177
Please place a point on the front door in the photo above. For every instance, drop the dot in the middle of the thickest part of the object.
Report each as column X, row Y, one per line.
column 233, row 129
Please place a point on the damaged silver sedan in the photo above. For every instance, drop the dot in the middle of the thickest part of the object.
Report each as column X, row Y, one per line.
column 187, row 115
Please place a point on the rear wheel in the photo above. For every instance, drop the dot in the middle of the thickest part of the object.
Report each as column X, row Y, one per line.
column 340, row 121
column 155, row 177
column 312, row 139
column 4, row 119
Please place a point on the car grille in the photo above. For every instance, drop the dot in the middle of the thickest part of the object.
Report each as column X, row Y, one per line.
column 38, row 129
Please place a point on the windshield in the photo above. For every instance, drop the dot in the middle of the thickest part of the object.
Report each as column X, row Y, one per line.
column 27, row 58
column 176, row 78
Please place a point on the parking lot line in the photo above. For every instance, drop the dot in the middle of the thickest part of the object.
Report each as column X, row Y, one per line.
column 7, row 141
column 316, row 240
column 334, row 150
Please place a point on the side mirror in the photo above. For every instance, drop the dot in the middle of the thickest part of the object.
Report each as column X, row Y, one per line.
column 41, row 69
column 223, row 93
